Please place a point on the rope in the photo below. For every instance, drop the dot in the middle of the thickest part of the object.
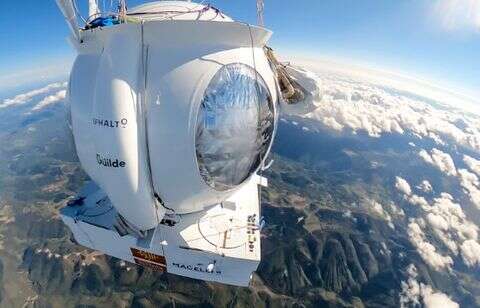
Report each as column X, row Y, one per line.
column 260, row 9
column 176, row 13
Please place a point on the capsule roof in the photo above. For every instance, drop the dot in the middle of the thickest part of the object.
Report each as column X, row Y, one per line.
column 177, row 10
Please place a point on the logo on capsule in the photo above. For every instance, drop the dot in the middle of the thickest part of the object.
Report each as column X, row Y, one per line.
column 122, row 123
column 196, row 268
column 110, row 163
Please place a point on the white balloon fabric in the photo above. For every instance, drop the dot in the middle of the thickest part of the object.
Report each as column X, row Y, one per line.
column 172, row 124
column 235, row 126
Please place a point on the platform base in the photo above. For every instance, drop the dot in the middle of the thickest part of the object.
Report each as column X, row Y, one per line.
column 220, row 244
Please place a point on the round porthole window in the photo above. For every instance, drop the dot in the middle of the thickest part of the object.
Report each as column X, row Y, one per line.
column 235, row 126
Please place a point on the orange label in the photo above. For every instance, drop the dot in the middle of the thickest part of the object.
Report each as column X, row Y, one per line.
column 148, row 259
column 154, row 266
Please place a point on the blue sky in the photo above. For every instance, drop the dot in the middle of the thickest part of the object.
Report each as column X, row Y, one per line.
column 436, row 40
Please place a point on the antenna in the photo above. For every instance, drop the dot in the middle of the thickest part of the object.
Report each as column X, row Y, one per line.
column 260, row 9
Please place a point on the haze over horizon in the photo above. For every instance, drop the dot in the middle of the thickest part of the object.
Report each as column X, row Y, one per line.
column 435, row 41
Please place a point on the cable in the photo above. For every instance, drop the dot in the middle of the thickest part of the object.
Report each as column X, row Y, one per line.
column 74, row 2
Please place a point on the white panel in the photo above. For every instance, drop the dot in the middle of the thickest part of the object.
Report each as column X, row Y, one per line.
column 175, row 90
column 180, row 67
column 81, row 91
column 118, row 159
column 118, row 153
column 190, row 246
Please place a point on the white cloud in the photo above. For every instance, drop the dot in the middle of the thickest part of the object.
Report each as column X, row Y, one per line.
column 378, row 209
column 457, row 220
column 436, row 138
column 437, row 221
column 418, row 200
column 470, row 250
column 458, row 14
column 415, row 293
column 471, row 185
column 396, row 210
column 359, row 105
column 354, row 104
column 410, row 294
column 433, row 299
column 426, row 157
column 425, row 186
column 443, row 161
column 332, row 123
column 27, row 97
column 472, row 163
column 449, row 224
column 427, row 251
column 348, row 214
column 403, row 186
column 49, row 100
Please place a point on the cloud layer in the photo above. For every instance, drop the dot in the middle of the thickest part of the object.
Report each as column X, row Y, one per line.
column 349, row 104
column 415, row 293
column 49, row 100
column 28, row 96
column 441, row 136
column 471, row 186
column 472, row 163
column 447, row 222
column 439, row 159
